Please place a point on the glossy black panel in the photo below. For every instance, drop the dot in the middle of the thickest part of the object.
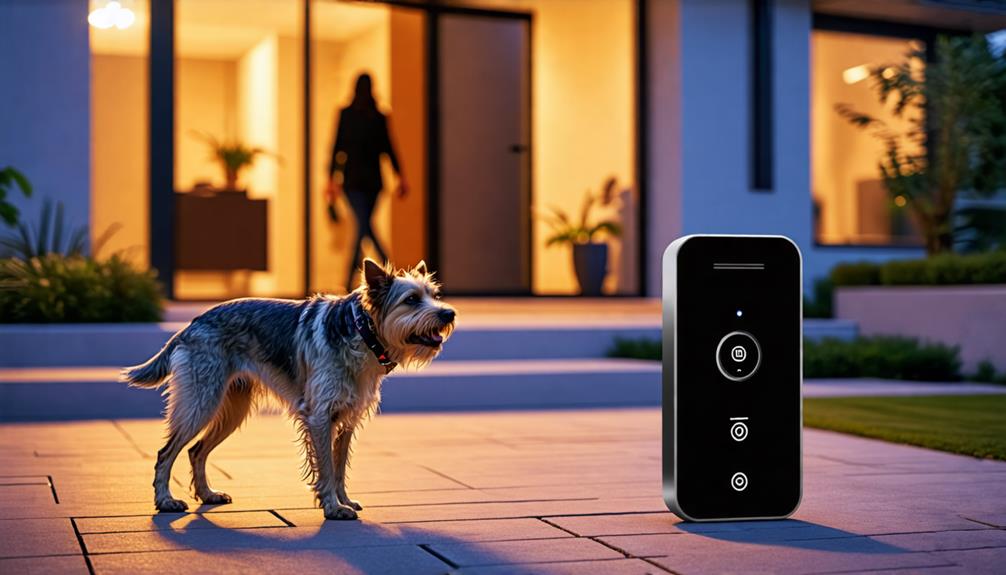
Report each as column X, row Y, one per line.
column 738, row 364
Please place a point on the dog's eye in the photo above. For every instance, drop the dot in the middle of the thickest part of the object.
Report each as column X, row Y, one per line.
column 412, row 299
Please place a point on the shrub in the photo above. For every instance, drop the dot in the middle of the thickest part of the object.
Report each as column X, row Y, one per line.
column 985, row 372
column 77, row 289
column 882, row 357
column 944, row 269
column 821, row 304
column 641, row 348
column 856, row 274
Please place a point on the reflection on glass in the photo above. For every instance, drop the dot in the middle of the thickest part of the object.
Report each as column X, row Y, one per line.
column 851, row 204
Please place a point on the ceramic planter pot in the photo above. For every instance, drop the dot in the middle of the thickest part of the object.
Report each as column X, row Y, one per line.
column 590, row 261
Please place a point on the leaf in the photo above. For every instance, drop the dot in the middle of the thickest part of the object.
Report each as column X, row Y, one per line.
column 100, row 241
column 612, row 227
column 78, row 242
column 57, row 229
column 42, row 237
column 22, row 181
column 8, row 213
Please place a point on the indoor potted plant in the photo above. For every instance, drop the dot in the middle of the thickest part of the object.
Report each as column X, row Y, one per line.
column 233, row 157
column 590, row 255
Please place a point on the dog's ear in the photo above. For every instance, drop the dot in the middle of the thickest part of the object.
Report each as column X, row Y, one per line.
column 421, row 267
column 375, row 276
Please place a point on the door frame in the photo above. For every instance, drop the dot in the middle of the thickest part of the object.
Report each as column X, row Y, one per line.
column 161, row 157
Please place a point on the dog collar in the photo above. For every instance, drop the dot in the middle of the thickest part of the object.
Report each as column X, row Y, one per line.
column 365, row 327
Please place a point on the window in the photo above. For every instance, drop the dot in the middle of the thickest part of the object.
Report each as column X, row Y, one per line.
column 851, row 204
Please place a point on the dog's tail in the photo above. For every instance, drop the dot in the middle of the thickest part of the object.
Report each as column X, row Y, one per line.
column 152, row 373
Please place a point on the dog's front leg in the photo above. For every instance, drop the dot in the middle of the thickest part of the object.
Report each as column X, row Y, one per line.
column 340, row 453
column 320, row 425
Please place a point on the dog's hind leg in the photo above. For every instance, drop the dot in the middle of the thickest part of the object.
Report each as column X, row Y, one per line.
column 195, row 391
column 232, row 412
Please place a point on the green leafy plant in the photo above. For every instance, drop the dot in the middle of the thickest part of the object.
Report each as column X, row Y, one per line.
column 9, row 180
column 956, row 139
column 74, row 288
column 582, row 230
column 52, row 275
column 820, row 305
column 232, row 155
column 48, row 236
column 943, row 269
column 881, row 356
column 636, row 348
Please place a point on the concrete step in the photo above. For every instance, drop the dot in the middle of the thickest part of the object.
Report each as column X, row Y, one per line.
column 28, row 394
column 518, row 337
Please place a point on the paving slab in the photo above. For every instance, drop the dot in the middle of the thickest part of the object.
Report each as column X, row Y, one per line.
column 608, row 567
column 573, row 491
column 64, row 565
column 179, row 522
column 517, row 552
column 37, row 537
column 989, row 561
column 369, row 560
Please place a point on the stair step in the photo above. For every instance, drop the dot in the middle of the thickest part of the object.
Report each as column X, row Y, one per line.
column 93, row 392
column 70, row 345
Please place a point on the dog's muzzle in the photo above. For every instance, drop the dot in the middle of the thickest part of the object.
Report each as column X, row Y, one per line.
column 435, row 337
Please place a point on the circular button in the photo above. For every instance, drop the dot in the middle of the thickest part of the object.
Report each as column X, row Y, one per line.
column 739, row 481
column 738, row 355
column 739, row 431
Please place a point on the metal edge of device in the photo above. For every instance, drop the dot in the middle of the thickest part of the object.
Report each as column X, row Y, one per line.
column 669, row 303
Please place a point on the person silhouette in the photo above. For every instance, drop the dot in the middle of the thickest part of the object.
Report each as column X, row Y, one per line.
column 354, row 170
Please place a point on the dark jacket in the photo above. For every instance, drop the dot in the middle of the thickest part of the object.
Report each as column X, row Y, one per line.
column 361, row 138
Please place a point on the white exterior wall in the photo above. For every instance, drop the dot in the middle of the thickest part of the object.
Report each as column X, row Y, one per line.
column 45, row 112
column 700, row 87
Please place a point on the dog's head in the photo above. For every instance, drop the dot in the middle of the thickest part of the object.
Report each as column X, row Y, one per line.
column 407, row 311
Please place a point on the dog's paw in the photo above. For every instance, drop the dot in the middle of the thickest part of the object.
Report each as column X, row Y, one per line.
column 354, row 504
column 170, row 505
column 216, row 498
column 340, row 513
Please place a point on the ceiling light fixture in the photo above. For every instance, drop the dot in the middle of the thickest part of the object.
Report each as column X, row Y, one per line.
column 112, row 13
column 856, row 74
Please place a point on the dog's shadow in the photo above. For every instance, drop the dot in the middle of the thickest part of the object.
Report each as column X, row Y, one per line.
column 793, row 533
column 358, row 546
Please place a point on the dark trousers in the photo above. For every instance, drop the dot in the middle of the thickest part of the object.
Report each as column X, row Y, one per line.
column 362, row 204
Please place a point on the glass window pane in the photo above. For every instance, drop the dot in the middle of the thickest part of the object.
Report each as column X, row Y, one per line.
column 851, row 204
column 239, row 148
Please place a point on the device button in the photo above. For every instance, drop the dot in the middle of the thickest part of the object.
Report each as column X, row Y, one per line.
column 738, row 355
column 739, row 481
column 739, row 429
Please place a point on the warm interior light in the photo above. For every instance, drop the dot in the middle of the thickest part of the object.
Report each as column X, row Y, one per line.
column 888, row 73
column 113, row 13
column 856, row 74
column 900, row 201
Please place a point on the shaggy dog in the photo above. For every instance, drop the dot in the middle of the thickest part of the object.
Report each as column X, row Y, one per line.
column 324, row 358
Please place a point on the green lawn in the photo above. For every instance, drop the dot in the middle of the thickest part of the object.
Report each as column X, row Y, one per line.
column 966, row 424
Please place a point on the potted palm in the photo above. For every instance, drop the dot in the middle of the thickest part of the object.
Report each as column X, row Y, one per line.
column 233, row 157
column 590, row 255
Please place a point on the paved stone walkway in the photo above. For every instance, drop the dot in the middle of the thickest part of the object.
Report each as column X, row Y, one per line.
column 505, row 492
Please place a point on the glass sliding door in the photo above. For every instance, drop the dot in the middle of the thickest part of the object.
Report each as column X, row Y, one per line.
column 239, row 201
column 349, row 39
column 119, row 135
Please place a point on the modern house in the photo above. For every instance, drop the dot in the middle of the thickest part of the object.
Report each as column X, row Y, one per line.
column 715, row 116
